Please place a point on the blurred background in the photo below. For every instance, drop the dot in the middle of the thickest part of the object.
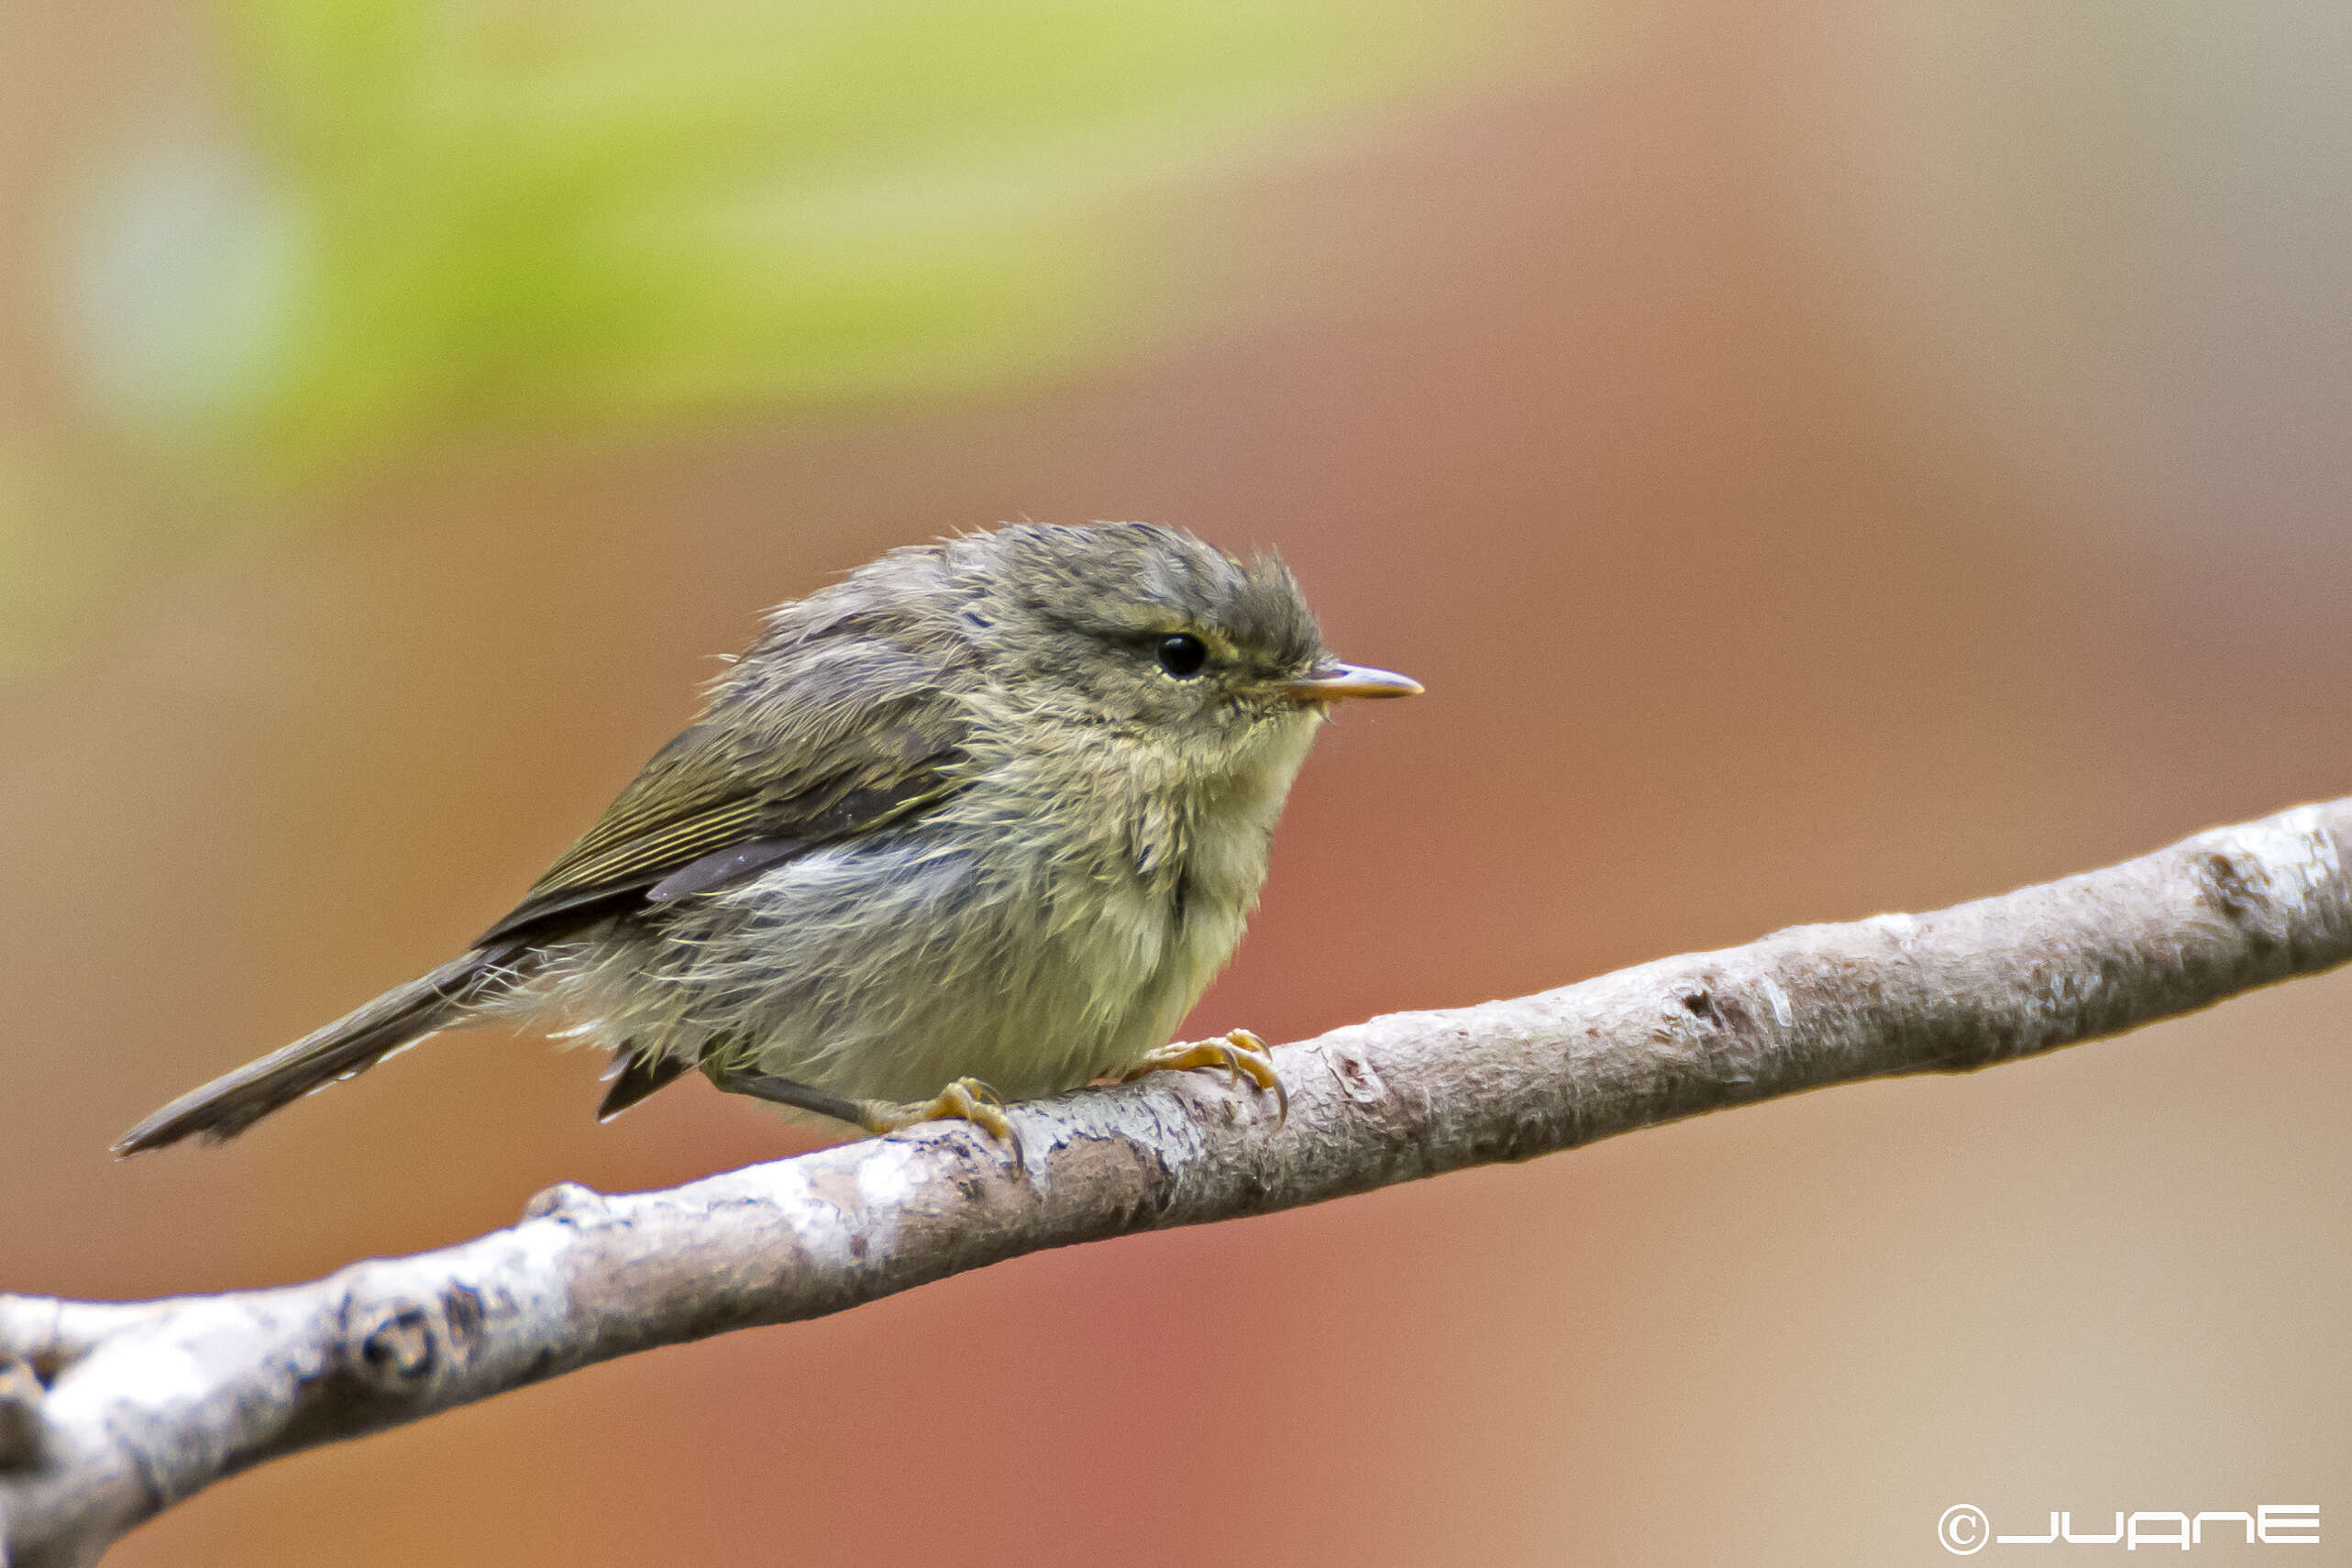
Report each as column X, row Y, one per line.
column 1823, row 457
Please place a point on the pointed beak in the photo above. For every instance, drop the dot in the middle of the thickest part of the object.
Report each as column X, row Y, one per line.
column 1330, row 682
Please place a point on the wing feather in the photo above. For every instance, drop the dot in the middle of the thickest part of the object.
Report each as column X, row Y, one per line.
column 722, row 803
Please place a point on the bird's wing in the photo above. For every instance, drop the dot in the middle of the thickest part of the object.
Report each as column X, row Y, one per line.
column 713, row 807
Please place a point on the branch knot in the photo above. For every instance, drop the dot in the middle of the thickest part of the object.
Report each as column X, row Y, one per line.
column 20, row 1414
column 567, row 1201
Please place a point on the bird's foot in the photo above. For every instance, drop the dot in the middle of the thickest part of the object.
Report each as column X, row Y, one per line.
column 1241, row 1053
column 965, row 1100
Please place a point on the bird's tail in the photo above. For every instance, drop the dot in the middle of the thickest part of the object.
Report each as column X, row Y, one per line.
column 352, row 1044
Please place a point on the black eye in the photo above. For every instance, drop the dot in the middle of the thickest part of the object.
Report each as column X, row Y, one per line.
column 1182, row 655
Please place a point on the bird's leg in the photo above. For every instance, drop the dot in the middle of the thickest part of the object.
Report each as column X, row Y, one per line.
column 965, row 1100
column 784, row 1091
column 1240, row 1053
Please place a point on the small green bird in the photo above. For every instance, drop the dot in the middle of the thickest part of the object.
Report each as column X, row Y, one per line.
column 989, row 811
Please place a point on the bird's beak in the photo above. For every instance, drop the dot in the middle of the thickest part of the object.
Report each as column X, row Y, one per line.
column 1330, row 682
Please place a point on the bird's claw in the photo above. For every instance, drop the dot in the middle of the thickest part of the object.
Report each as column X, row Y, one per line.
column 965, row 1100
column 1241, row 1053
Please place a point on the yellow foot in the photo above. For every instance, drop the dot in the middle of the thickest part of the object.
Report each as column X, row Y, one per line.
column 965, row 1100
column 1239, row 1052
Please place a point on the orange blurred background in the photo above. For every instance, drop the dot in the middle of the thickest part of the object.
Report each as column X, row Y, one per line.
column 1822, row 457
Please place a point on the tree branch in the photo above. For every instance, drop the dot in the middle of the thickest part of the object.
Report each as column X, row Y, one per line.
column 111, row 1412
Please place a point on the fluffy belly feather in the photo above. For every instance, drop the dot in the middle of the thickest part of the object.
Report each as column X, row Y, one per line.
column 886, row 970
column 970, row 944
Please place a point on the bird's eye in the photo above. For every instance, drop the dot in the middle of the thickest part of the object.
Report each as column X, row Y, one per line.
column 1182, row 655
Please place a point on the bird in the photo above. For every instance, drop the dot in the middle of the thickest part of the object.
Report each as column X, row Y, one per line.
column 974, row 824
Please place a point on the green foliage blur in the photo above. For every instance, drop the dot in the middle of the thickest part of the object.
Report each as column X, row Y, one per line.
column 392, row 226
column 564, row 213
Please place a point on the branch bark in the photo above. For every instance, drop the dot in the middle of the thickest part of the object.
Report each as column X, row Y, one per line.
column 110, row 1412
